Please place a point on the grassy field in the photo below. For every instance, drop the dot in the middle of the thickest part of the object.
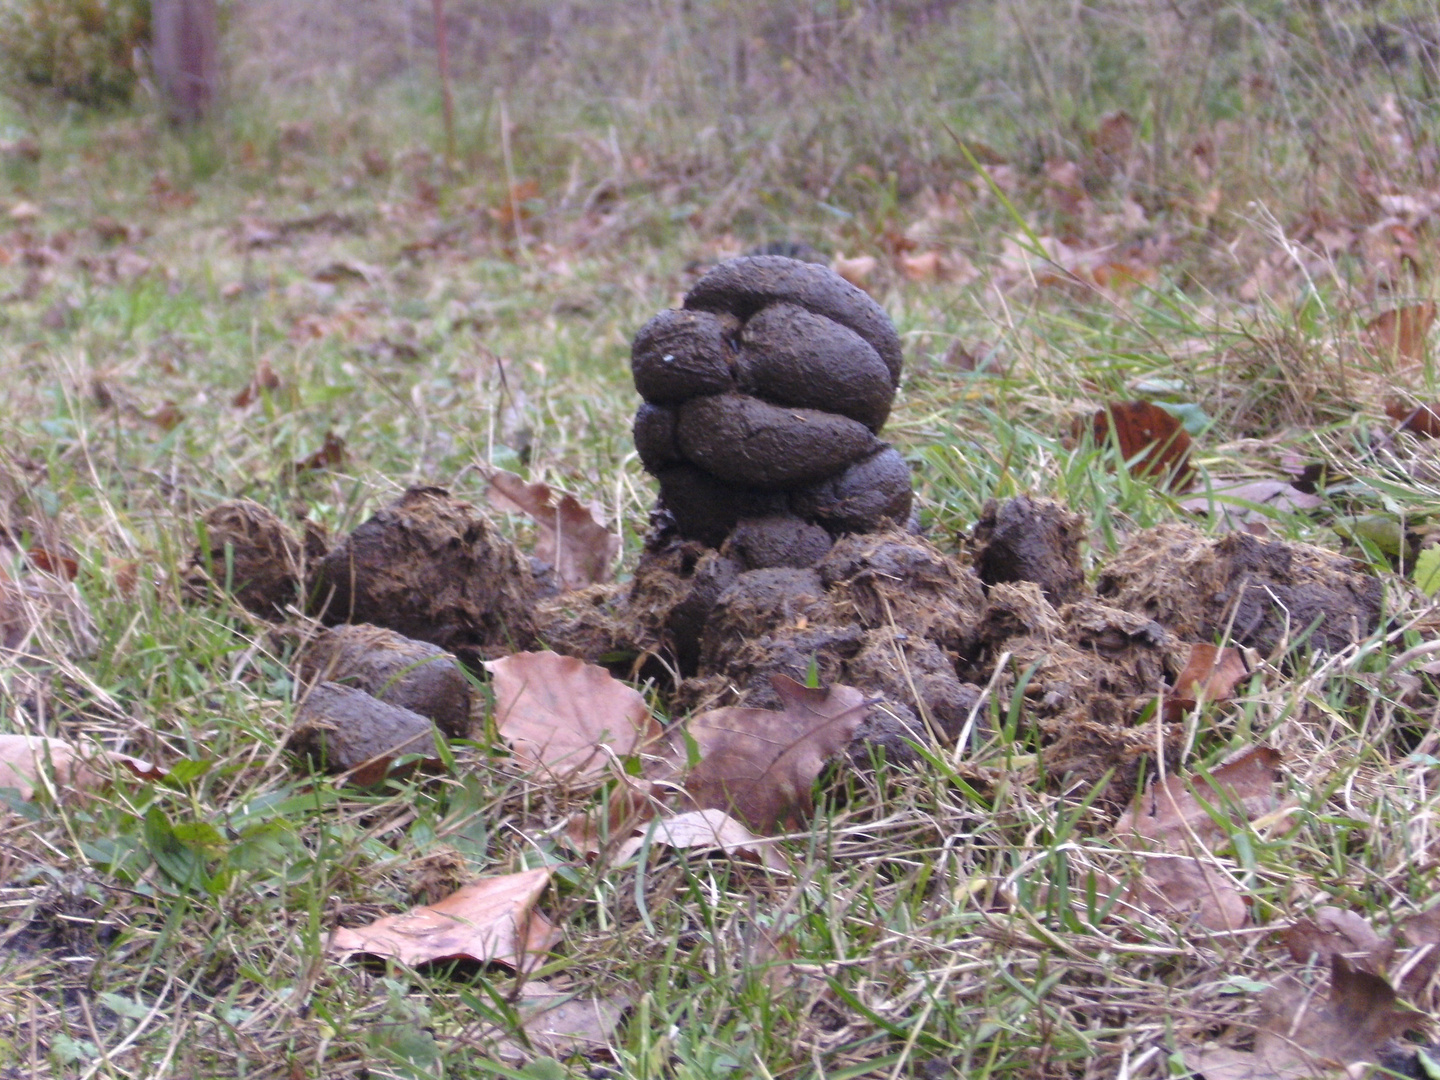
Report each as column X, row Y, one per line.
column 1202, row 204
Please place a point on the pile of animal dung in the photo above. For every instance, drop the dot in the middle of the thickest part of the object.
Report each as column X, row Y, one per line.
column 764, row 396
column 784, row 545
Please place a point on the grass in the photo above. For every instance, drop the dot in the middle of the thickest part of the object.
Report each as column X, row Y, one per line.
column 942, row 920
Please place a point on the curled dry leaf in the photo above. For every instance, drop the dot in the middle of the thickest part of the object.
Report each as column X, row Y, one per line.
column 1152, row 441
column 1332, row 932
column 263, row 381
column 557, row 1022
column 1302, row 1035
column 1401, row 336
column 1184, row 886
column 581, row 549
column 855, row 270
column 1210, row 674
column 760, row 764
column 559, row 711
column 26, row 759
column 1235, row 505
column 710, row 829
column 1172, row 817
column 1416, row 972
column 1422, row 421
column 1170, row 813
column 490, row 921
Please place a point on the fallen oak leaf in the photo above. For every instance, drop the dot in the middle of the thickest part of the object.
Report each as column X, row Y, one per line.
column 1152, row 442
column 27, row 761
column 1422, row 421
column 1302, row 1035
column 1177, row 879
column 1171, row 812
column 581, row 549
column 710, row 829
column 560, row 713
column 556, row 1022
column 1210, row 674
column 489, row 921
column 1333, row 931
column 762, row 763
column 1401, row 334
column 1237, row 504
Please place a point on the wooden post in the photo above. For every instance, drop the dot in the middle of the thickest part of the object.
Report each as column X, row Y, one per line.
column 185, row 54
column 442, row 56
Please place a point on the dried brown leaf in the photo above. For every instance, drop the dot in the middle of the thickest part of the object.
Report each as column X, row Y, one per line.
column 1304, row 1035
column 557, row 1022
column 1236, row 505
column 581, row 550
column 1422, row 421
column 1210, row 674
column 1185, row 887
column 490, row 921
column 705, row 830
column 856, row 270
column 331, row 455
column 1401, row 335
column 1334, row 932
column 1115, row 134
column 27, row 760
column 760, row 764
column 1419, row 967
column 262, row 381
column 1171, row 813
column 560, row 713
column 1154, row 443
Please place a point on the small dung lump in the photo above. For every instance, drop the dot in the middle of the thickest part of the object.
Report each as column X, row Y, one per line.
column 764, row 396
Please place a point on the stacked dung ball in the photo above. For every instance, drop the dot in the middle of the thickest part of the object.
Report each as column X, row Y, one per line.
column 763, row 398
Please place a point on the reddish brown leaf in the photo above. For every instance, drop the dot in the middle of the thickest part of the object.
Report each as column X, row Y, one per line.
column 331, row 455
column 1154, row 443
column 25, row 759
column 581, row 550
column 1210, row 673
column 1115, row 134
column 761, row 763
column 54, row 562
column 561, row 714
column 263, row 380
column 167, row 417
column 490, row 921
column 1402, row 334
column 1171, row 813
column 1423, row 421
